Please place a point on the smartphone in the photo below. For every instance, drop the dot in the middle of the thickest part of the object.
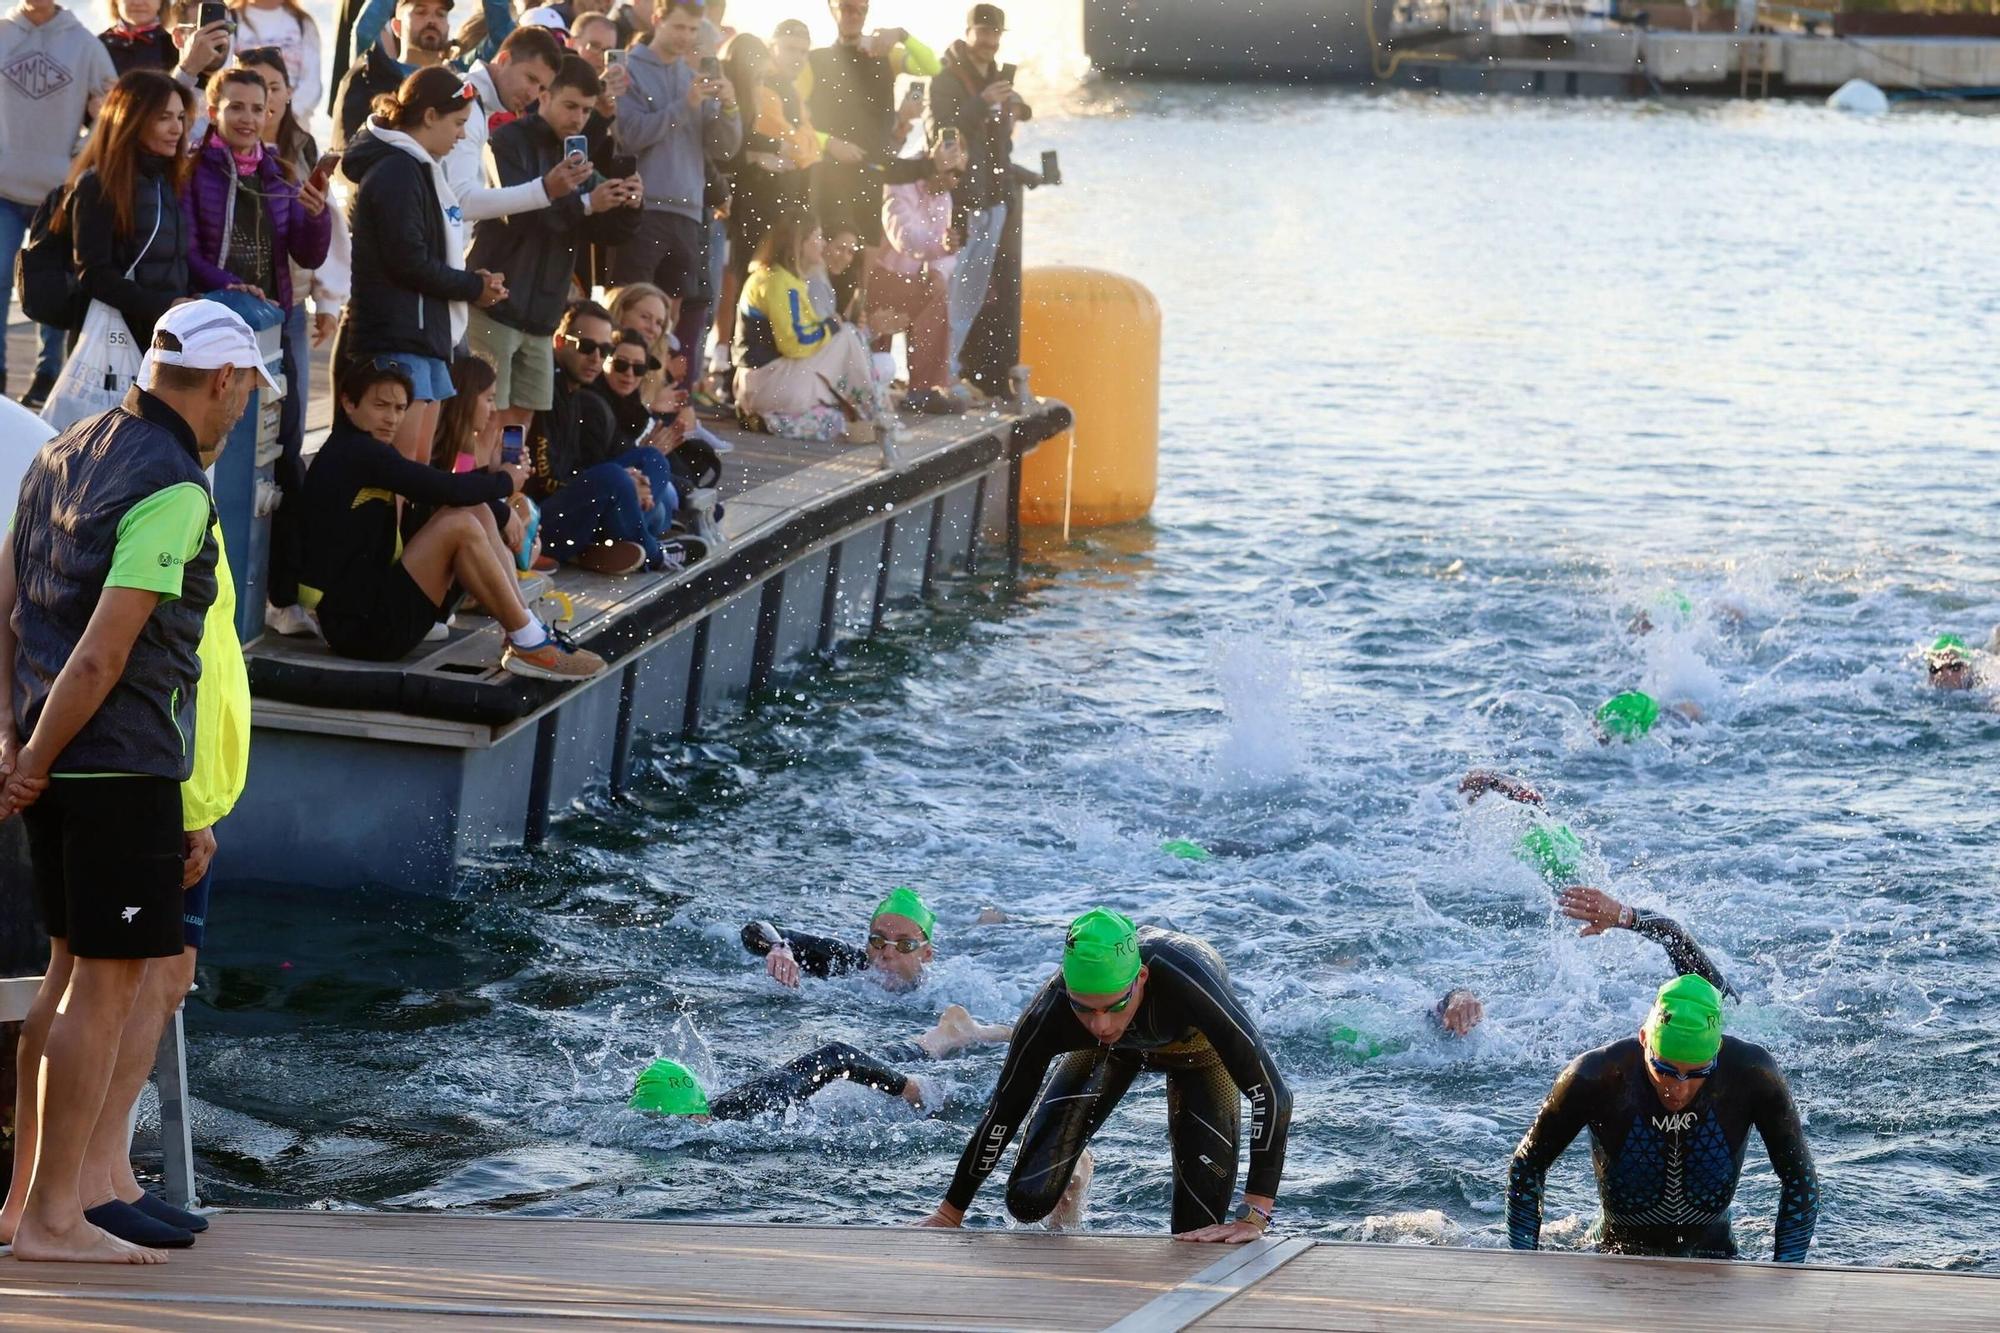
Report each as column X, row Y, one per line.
column 711, row 68
column 513, row 444
column 1051, row 169
column 322, row 171
column 212, row 11
column 621, row 166
column 576, row 145
column 948, row 135
column 614, row 58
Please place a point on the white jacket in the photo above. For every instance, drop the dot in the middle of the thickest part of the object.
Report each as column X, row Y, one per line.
column 454, row 214
column 465, row 165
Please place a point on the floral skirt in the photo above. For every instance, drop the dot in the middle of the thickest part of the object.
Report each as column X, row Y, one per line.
column 800, row 397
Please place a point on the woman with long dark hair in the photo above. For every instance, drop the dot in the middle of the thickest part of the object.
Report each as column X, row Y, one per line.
column 411, row 290
column 124, row 215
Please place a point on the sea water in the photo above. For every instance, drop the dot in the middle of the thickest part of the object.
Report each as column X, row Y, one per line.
column 1452, row 389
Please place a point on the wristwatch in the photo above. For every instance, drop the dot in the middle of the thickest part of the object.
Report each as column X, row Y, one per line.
column 1250, row 1210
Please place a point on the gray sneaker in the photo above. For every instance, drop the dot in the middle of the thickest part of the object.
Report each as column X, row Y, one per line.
column 556, row 658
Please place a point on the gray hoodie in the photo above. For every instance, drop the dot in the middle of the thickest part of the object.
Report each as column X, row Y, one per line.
column 670, row 138
column 47, row 74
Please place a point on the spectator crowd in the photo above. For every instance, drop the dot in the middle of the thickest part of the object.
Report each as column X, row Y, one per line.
column 616, row 222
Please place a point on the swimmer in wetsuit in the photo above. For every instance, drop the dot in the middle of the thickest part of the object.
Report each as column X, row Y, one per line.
column 1126, row 1001
column 899, row 946
column 792, row 1083
column 1948, row 663
column 1670, row 1113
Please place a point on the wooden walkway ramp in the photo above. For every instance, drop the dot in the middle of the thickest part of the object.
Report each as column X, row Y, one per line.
column 382, row 1271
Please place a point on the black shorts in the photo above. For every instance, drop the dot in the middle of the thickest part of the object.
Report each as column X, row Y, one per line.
column 669, row 251
column 108, row 854
column 383, row 621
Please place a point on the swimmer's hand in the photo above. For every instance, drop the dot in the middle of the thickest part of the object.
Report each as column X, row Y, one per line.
column 1461, row 1012
column 781, row 966
column 945, row 1216
column 1598, row 910
column 956, row 1029
column 1228, row 1233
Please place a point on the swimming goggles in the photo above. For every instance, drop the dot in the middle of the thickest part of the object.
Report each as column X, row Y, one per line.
column 1665, row 1070
column 1117, row 1006
column 879, row 942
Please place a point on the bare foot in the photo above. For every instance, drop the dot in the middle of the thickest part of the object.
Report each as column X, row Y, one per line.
column 1068, row 1213
column 81, row 1244
column 8, row 1222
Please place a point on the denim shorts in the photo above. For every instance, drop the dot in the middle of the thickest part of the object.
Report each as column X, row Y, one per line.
column 429, row 377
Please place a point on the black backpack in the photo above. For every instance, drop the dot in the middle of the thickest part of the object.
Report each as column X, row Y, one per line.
column 45, row 279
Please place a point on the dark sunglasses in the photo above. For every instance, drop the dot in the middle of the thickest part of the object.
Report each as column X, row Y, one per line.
column 625, row 367
column 588, row 347
column 879, row 942
column 1665, row 1070
column 1117, row 1006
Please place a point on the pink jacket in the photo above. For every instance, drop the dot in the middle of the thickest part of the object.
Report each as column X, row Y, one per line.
column 917, row 223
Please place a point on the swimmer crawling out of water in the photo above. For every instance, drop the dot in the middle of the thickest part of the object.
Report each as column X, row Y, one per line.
column 1669, row 1114
column 1126, row 1001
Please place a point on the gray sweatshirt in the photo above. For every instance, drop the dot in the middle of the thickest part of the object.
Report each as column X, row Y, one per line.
column 47, row 74
column 669, row 137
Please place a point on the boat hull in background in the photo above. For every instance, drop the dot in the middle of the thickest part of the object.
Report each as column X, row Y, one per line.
column 1291, row 40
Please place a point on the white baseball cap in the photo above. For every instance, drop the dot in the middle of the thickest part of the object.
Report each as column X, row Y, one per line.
column 205, row 335
column 545, row 16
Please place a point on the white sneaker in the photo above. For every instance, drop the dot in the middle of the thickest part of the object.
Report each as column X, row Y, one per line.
column 293, row 621
column 710, row 438
column 438, row 632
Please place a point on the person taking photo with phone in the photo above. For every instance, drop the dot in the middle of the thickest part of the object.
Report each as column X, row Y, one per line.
column 974, row 97
column 537, row 249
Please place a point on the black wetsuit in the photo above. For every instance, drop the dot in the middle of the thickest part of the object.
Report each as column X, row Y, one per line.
column 817, row 955
column 1190, row 1026
column 1665, row 1179
column 792, row 1083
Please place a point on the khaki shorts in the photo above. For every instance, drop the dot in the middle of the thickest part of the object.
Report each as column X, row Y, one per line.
column 524, row 362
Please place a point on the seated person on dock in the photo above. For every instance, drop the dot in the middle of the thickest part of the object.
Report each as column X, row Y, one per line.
column 377, row 596
column 595, row 492
column 1460, row 1010
column 1670, row 1113
column 800, row 372
column 664, row 1084
column 664, row 422
column 1126, row 1001
column 899, row 946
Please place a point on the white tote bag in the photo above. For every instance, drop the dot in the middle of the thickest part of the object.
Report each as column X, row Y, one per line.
column 105, row 362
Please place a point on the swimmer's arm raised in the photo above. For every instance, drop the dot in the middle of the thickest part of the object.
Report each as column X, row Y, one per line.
column 1686, row 956
column 1560, row 1120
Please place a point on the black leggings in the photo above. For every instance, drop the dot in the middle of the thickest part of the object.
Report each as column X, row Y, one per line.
column 792, row 1083
column 1203, row 1131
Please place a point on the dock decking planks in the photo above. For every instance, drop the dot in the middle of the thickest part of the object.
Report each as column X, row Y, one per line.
column 400, row 1271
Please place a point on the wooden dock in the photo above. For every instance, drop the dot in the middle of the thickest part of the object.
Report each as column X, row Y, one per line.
column 394, row 1271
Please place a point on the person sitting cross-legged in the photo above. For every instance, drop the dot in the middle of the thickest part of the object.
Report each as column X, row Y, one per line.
column 378, row 597
column 595, row 489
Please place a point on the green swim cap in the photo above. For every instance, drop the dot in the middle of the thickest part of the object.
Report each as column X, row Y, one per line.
column 1628, row 716
column 1185, row 849
column 669, row 1089
column 1554, row 852
column 1356, row 1046
column 1100, row 953
column 1950, row 645
column 905, row 902
column 1686, row 1023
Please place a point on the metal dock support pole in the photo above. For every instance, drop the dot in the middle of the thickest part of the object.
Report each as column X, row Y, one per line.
column 176, row 1134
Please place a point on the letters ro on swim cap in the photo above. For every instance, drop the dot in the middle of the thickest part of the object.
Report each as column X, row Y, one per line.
column 669, row 1089
column 1100, row 953
column 904, row 902
column 1686, row 1023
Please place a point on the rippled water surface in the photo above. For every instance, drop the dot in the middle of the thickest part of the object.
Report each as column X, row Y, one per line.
column 1450, row 388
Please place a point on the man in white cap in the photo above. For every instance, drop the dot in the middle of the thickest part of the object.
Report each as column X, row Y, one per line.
column 105, row 584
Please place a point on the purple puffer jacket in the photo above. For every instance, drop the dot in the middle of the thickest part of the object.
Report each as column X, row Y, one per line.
column 295, row 234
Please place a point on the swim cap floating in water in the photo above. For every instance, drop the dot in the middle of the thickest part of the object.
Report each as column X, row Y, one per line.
column 1100, row 953
column 1555, row 852
column 1628, row 716
column 669, row 1089
column 1686, row 1023
column 905, row 902
column 1185, row 849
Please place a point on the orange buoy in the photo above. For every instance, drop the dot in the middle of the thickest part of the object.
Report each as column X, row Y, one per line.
column 1092, row 339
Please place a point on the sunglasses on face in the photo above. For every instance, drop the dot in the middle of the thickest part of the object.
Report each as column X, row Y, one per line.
column 1117, row 1006
column 1665, row 1070
column 881, row 942
column 587, row 346
column 625, row 367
